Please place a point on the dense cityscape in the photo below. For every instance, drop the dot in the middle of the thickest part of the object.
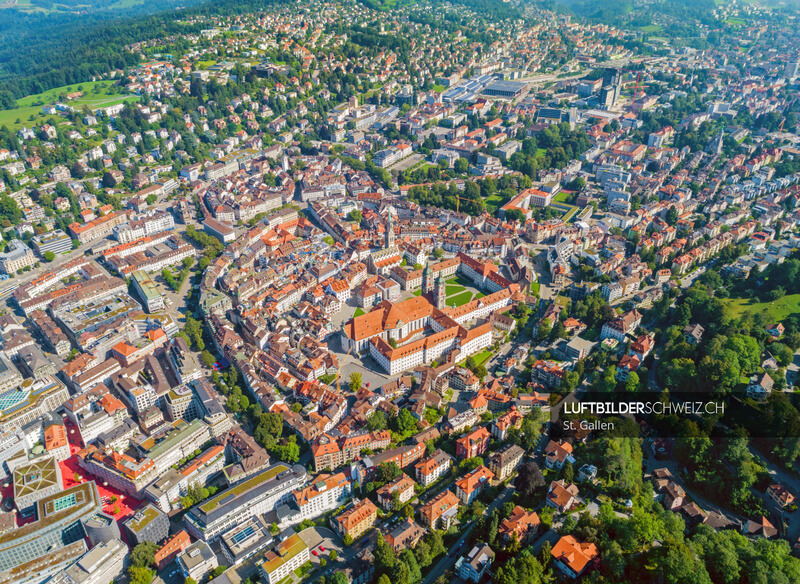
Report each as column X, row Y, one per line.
column 336, row 293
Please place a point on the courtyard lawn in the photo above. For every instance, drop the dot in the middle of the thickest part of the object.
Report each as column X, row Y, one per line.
column 482, row 357
column 776, row 311
column 460, row 280
column 418, row 292
column 459, row 299
column 454, row 289
column 358, row 312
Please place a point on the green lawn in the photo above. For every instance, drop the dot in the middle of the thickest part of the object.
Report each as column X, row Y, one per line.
column 736, row 22
column 418, row 292
column 460, row 280
column 358, row 312
column 95, row 94
column 777, row 310
column 650, row 28
column 454, row 289
column 494, row 202
column 482, row 357
column 561, row 197
column 459, row 299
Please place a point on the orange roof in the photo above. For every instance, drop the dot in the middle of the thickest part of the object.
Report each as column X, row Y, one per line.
column 474, row 479
column 574, row 554
column 111, row 404
column 177, row 543
column 156, row 334
column 356, row 514
column 55, row 436
column 124, row 349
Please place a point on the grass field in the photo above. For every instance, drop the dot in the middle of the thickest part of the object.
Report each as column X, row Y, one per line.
column 453, row 289
column 735, row 22
column 561, row 197
column 358, row 312
column 482, row 357
column 777, row 310
column 95, row 94
column 459, row 299
column 650, row 28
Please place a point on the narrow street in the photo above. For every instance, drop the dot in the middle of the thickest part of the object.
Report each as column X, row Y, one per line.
column 450, row 559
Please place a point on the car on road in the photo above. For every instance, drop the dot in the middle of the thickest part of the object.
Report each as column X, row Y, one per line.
column 314, row 552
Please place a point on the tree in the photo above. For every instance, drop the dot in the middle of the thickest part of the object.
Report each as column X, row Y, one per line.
column 461, row 166
column 207, row 358
column 218, row 571
column 333, row 555
column 143, row 555
column 632, row 383
column 543, row 331
column 377, row 421
column 672, row 216
column 355, row 381
column 339, row 577
column 354, row 216
column 348, row 540
column 529, row 479
column 49, row 256
column 151, row 199
column 568, row 472
column 140, row 575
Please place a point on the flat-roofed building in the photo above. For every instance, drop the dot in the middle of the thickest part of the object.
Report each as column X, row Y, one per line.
column 104, row 563
column 148, row 524
column 55, row 241
column 254, row 496
column 197, row 561
column 36, row 480
column 245, row 540
column 101, row 528
column 30, row 400
column 58, row 524
column 146, row 289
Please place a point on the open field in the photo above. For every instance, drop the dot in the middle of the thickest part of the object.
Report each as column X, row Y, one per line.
column 95, row 94
column 650, row 28
column 777, row 310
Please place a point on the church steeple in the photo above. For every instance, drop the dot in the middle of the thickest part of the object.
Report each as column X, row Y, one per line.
column 440, row 293
column 389, row 231
column 427, row 275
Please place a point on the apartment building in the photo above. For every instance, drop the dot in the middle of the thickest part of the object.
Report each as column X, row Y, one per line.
column 325, row 493
column 356, row 520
